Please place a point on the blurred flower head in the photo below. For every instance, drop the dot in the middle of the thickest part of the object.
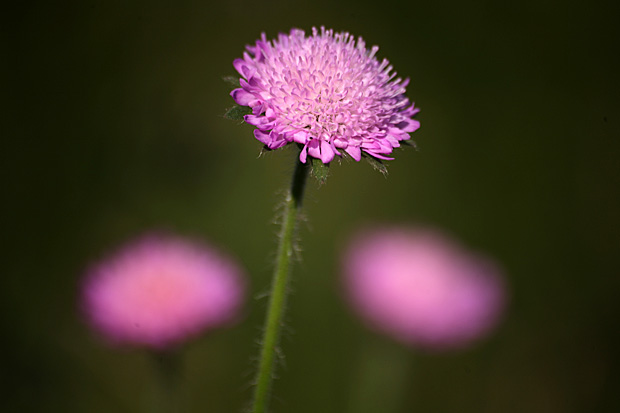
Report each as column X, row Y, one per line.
column 326, row 92
column 422, row 288
column 159, row 291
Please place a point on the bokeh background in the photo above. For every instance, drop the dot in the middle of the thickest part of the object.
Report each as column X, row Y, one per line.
column 112, row 126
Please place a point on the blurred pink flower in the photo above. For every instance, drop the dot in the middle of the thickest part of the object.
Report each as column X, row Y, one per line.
column 422, row 288
column 327, row 93
column 160, row 291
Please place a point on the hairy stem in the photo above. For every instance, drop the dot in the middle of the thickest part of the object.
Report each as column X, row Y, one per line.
column 277, row 299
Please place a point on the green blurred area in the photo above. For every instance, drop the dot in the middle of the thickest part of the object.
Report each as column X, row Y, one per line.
column 112, row 126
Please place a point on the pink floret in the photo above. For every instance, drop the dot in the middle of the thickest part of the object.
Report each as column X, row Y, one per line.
column 160, row 291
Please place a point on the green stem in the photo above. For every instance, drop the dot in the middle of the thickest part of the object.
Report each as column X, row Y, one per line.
column 165, row 393
column 277, row 299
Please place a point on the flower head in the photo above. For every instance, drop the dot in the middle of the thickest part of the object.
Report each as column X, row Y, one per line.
column 422, row 288
column 159, row 291
column 326, row 92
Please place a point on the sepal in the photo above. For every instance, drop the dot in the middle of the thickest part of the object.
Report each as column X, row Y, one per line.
column 377, row 164
column 237, row 112
column 319, row 170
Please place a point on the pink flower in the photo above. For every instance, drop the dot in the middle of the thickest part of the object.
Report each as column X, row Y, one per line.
column 325, row 92
column 422, row 288
column 160, row 291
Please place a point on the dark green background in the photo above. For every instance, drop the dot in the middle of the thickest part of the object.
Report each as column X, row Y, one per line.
column 111, row 126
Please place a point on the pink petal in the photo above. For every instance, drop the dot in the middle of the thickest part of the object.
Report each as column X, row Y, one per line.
column 242, row 97
column 304, row 154
column 376, row 155
column 314, row 149
column 259, row 121
column 355, row 152
column 301, row 137
column 262, row 136
column 327, row 154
